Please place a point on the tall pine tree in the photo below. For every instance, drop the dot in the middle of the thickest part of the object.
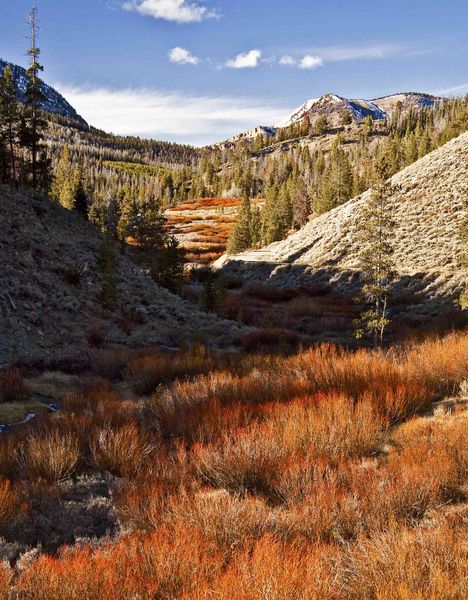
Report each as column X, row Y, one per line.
column 33, row 124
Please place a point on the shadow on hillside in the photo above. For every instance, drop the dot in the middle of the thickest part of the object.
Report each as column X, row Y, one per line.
column 415, row 293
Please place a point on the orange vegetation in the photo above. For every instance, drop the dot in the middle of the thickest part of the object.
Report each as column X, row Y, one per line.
column 314, row 476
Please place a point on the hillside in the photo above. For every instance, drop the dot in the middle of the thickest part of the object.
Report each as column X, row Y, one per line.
column 428, row 211
column 55, row 103
column 49, row 289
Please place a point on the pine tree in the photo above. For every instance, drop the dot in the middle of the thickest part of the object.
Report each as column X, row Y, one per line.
column 33, row 124
column 167, row 264
column 346, row 119
column 336, row 184
column 9, row 123
column 106, row 266
column 240, row 238
column 300, row 205
column 63, row 188
column 321, row 125
column 81, row 197
column 376, row 259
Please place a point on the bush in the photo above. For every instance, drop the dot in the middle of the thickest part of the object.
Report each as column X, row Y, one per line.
column 272, row 339
column 12, row 388
column 12, row 507
column 269, row 293
column 427, row 563
column 120, row 450
column 51, row 456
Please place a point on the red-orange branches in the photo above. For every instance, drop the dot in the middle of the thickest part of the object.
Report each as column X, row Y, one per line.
column 326, row 475
column 12, row 506
column 163, row 565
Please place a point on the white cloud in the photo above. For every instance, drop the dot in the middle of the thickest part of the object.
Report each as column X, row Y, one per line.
column 181, row 56
column 172, row 116
column 306, row 62
column 310, row 62
column 179, row 11
column 249, row 60
column 288, row 61
column 453, row 90
column 316, row 57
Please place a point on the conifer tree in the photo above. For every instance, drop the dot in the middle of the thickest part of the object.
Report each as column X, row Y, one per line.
column 81, row 197
column 9, row 123
column 336, row 184
column 321, row 125
column 300, row 205
column 64, row 183
column 240, row 238
column 33, row 124
column 375, row 232
column 346, row 119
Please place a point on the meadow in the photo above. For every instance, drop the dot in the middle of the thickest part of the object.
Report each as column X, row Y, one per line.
column 327, row 474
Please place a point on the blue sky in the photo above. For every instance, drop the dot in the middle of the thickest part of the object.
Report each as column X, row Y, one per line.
column 197, row 71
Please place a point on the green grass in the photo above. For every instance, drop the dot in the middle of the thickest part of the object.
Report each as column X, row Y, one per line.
column 13, row 412
column 135, row 168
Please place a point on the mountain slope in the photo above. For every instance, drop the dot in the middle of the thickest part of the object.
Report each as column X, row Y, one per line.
column 49, row 289
column 428, row 211
column 333, row 107
column 55, row 103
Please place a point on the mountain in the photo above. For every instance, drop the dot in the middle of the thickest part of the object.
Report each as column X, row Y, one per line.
column 334, row 107
column 252, row 133
column 55, row 103
column 428, row 211
column 50, row 287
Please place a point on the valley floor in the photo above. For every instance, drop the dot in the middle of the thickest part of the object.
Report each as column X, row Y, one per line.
column 328, row 474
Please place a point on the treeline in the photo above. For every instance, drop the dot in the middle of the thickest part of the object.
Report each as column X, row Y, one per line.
column 310, row 179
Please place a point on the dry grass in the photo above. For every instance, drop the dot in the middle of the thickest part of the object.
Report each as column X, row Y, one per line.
column 321, row 475
column 162, row 565
column 120, row 450
column 6, row 576
column 402, row 565
column 51, row 456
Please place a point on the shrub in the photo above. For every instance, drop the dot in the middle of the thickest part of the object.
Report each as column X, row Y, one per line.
column 427, row 563
column 12, row 388
column 6, row 577
column 165, row 565
column 120, row 450
column 269, row 293
column 96, row 336
column 146, row 373
column 12, row 507
column 278, row 571
column 51, row 455
column 271, row 339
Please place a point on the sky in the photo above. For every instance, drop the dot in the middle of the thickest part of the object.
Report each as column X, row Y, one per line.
column 199, row 71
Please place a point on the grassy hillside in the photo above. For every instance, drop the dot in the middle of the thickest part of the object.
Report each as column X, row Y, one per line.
column 51, row 296
column 428, row 209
